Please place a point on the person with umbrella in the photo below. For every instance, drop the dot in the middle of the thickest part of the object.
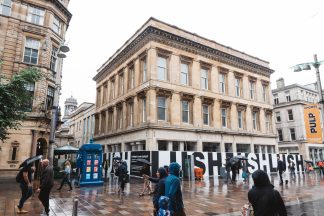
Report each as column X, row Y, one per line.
column 146, row 171
column 25, row 180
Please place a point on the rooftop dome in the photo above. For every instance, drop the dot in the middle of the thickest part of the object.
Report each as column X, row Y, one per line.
column 71, row 100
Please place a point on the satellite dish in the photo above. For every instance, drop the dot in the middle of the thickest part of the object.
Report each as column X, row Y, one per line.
column 61, row 55
column 64, row 48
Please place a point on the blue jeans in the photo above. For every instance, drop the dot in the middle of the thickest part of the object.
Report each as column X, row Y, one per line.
column 26, row 192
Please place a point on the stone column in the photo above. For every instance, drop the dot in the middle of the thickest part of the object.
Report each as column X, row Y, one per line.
column 196, row 112
column 170, row 145
column 199, row 146
column 175, row 109
column 136, row 111
column 262, row 121
column 181, row 146
column 152, row 64
column 174, row 72
column 234, row 146
column 245, row 87
column 233, row 116
column 216, row 115
column 125, row 117
column 122, row 147
column 195, row 77
column 249, row 125
column 114, row 123
column 214, row 79
column 260, row 149
column 222, row 144
column 152, row 106
column 230, row 83
column 136, row 72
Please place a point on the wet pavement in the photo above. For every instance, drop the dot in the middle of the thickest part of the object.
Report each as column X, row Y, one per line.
column 304, row 195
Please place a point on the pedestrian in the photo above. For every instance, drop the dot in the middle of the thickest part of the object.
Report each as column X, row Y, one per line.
column 228, row 170
column 234, row 169
column 147, row 184
column 320, row 164
column 159, row 189
column 245, row 172
column 25, row 180
column 106, row 168
column 173, row 191
column 281, row 169
column 67, row 175
column 46, row 184
column 121, row 172
column 265, row 200
column 292, row 167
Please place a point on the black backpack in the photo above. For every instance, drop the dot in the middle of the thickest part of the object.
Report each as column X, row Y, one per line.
column 19, row 177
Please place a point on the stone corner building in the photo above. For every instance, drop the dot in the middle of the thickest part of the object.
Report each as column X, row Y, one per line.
column 31, row 33
column 169, row 89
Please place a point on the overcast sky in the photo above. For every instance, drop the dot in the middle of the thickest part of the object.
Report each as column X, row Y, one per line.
column 283, row 33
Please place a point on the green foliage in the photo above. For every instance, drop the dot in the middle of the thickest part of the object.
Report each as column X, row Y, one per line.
column 13, row 98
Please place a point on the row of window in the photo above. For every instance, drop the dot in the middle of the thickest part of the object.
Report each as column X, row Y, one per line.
column 309, row 97
column 289, row 113
column 163, row 113
column 292, row 134
column 185, row 79
column 35, row 15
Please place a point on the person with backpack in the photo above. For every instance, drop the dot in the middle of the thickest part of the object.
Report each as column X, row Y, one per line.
column 24, row 177
column 265, row 200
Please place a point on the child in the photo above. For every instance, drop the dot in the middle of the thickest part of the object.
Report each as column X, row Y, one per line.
column 163, row 205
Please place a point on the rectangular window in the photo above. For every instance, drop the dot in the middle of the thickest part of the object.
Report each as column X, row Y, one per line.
column 162, row 68
column 50, row 97
column 131, row 114
column 290, row 115
column 98, row 97
column 35, row 15
column 240, row 119
column 144, row 110
column 112, row 92
column 211, row 147
column 224, row 117
column 276, row 100
column 264, row 93
column 184, row 75
column 204, row 78
column 121, row 84
column 120, row 118
column 143, row 64
column 222, row 83
column 245, row 148
column 31, row 51
column 288, row 96
column 228, row 147
column 252, row 90
column 5, row 7
column 237, row 87
column 104, row 93
column 131, row 77
column 205, row 109
column 162, row 108
column 30, row 88
column 278, row 118
column 54, row 62
column 255, row 120
column 292, row 134
column 14, row 153
column 280, row 135
column 56, row 25
column 185, row 111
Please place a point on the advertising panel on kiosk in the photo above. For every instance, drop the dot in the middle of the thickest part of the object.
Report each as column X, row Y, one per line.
column 90, row 164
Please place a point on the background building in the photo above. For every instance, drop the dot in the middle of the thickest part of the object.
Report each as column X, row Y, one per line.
column 169, row 89
column 31, row 33
column 289, row 103
column 78, row 127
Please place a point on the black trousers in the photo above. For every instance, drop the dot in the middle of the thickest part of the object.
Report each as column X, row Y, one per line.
column 67, row 180
column 44, row 197
column 280, row 175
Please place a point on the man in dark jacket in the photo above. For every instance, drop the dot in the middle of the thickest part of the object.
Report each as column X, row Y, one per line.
column 281, row 168
column 46, row 184
column 159, row 189
column 264, row 199
column 173, row 190
column 121, row 172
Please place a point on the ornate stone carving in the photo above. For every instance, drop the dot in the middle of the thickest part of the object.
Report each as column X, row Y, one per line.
column 164, row 92
column 225, row 104
column 241, row 107
column 186, row 96
column 207, row 100
column 142, row 93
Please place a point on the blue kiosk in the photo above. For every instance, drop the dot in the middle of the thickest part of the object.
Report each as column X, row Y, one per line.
column 90, row 163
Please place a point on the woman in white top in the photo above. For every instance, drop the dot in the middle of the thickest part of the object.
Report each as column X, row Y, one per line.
column 67, row 174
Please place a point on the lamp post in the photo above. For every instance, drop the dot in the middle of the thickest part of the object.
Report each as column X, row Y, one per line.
column 60, row 54
column 307, row 66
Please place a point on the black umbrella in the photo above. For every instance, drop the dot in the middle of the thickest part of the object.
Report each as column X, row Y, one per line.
column 30, row 160
column 144, row 161
column 241, row 157
column 308, row 161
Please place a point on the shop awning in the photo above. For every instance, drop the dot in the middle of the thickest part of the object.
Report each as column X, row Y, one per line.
column 67, row 149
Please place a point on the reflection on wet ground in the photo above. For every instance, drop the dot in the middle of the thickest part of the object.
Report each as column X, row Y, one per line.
column 303, row 195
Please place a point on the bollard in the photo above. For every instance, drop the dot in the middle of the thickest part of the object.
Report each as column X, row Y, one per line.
column 75, row 207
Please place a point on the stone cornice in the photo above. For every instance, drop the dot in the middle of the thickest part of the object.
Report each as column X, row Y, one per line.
column 154, row 34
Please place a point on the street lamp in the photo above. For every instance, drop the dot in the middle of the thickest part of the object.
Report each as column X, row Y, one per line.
column 59, row 54
column 307, row 66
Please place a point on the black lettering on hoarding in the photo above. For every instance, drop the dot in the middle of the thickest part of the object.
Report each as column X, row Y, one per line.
column 155, row 162
column 198, row 163
column 299, row 163
column 212, row 163
column 173, row 157
column 272, row 168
